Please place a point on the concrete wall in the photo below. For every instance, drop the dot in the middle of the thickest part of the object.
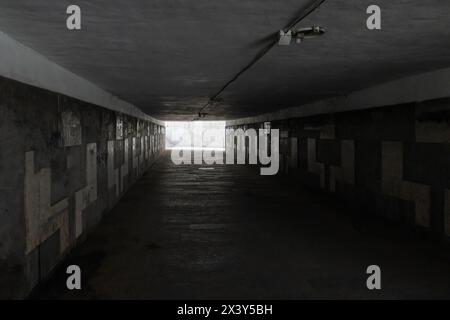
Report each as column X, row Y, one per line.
column 392, row 161
column 63, row 164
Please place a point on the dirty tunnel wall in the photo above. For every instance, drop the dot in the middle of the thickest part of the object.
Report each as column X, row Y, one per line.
column 392, row 161
column 64, row 163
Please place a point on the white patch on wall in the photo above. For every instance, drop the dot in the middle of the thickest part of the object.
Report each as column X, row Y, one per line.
column 153, row 142
column 135, row 157
column 394, row 185
column 41, row 218
column 158, row 139
column 345, row 173
column 125, row 165
column 71, row 129
column 138, row 128
column 142, row 153
column 113, row 174
column 147, row 149
column 87, row 195
column 119, row 127
column 313, row 165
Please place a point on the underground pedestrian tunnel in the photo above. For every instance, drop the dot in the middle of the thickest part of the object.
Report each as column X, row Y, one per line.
column 108, row 111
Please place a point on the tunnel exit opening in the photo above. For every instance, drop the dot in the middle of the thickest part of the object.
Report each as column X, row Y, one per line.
column 195, row 135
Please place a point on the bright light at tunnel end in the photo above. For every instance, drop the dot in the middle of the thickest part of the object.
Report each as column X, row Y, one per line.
column 205, row 142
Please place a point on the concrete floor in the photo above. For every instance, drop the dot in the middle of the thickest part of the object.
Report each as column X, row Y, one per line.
column 185, row 233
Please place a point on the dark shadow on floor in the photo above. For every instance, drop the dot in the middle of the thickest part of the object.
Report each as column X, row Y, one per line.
column 229, row 233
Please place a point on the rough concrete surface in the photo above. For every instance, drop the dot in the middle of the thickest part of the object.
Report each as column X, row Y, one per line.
column 54, row 176
column 390, row 161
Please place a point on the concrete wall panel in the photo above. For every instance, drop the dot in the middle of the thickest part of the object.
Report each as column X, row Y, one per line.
column 393, row 160
column 59, row 160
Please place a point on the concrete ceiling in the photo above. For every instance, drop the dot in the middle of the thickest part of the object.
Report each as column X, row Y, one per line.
column 168, row 56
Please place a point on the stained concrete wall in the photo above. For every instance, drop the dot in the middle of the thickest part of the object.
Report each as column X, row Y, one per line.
column 392, row 161
column 63, row 164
